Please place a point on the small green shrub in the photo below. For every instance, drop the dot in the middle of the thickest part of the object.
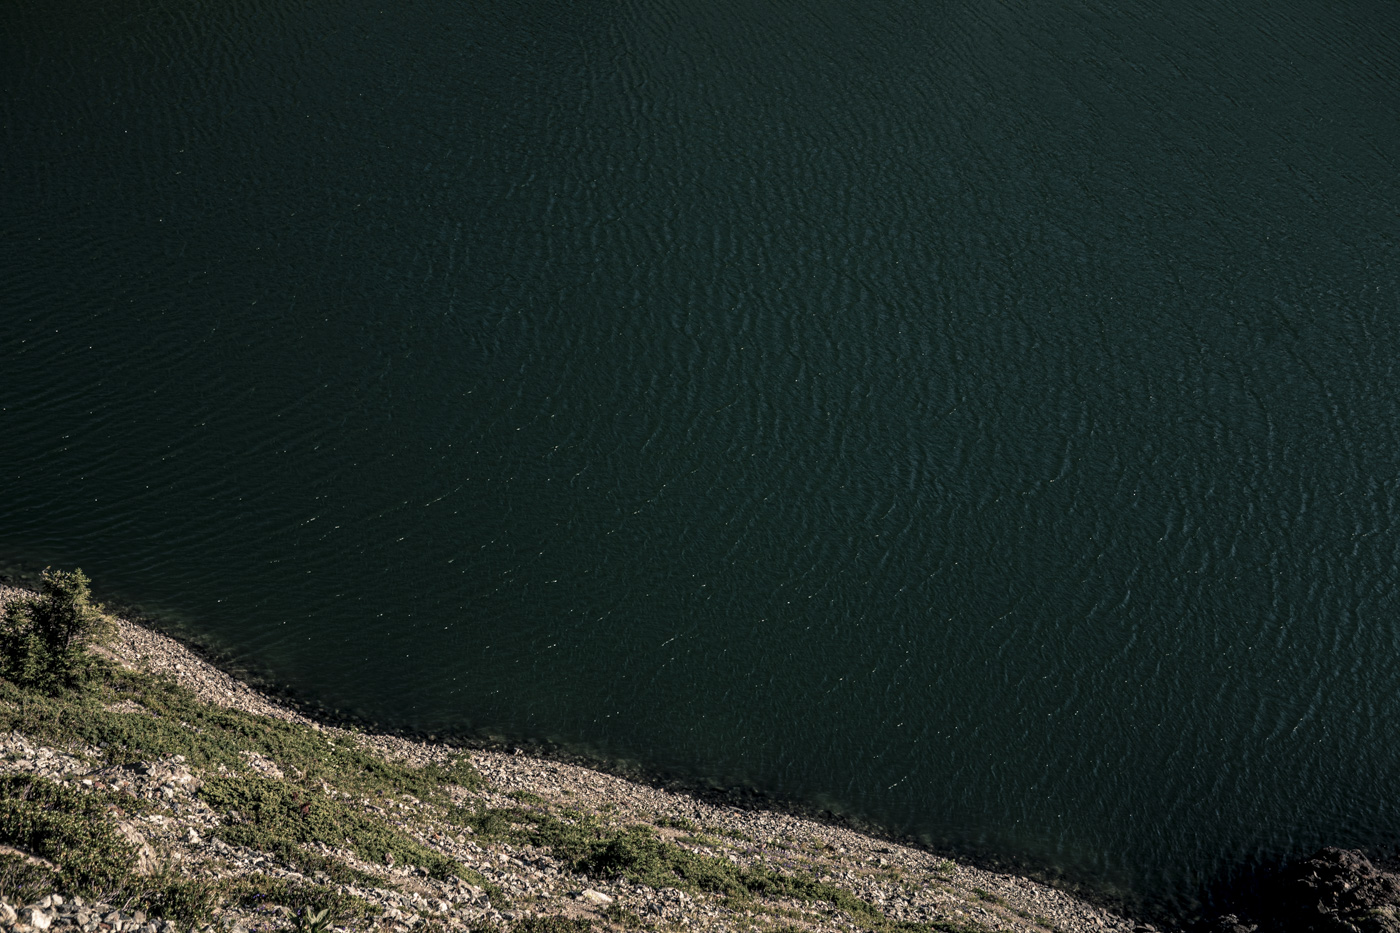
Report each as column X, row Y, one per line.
column 193, row 903
column 640, row 856
column 43, row 638
column 22, row 881
column 67, row 828
column 275, row 816
column 189, row 902
column 678, row 822
column 180, row 724
column 459, row 771
column 487, row 823
column 307, row 920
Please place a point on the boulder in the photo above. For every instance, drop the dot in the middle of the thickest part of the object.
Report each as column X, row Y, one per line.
column 145, row 855
column 1334, row 891
column 36, row 918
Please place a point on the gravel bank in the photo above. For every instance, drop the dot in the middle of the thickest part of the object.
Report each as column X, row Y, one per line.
column 906, row 887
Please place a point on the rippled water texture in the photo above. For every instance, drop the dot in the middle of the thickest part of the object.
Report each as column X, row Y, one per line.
column 978, row 418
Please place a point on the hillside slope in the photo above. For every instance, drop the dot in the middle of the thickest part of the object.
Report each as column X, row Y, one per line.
column 165, row 795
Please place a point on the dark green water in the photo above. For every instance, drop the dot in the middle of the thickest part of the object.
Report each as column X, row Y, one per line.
column 977, row 418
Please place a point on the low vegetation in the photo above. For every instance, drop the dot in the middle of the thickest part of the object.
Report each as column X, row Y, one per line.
column 638, row 854
column 309, row 799
column 54, row 691
column 68, row 829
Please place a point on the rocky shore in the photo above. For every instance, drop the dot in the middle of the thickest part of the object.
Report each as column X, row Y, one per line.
column 237, row 813
column 168, row 796
column 1333, row 891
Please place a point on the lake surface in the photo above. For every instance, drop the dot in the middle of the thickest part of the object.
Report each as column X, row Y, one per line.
column 977, row 418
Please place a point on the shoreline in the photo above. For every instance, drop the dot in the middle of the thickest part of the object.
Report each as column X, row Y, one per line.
column 889, row 885
column 725, row 798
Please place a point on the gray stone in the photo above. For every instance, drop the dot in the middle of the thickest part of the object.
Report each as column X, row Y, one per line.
column 145, row 855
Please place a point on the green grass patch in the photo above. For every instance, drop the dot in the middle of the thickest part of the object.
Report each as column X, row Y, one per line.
column 22, row 881
column 636, row 853
column 72, row 830
column 193, row 902
column 53, row 691
column 277, row 816
column 69, row 829
column 678, row 822
column 333, row 794
column 208, row 736
column 314, row 864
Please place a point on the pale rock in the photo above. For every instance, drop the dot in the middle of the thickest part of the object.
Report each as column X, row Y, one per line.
column 145, row 855
column 36, row 918
column 597, row 898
